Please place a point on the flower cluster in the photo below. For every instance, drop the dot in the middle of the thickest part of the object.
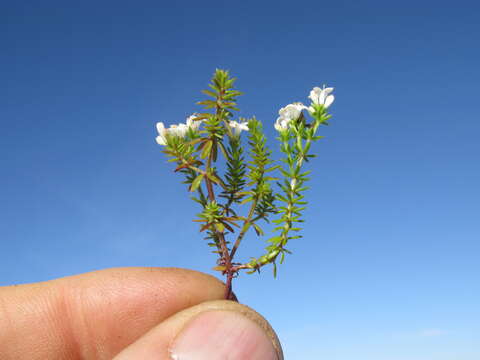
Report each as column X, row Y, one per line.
column 293, row 112
column 179, row 130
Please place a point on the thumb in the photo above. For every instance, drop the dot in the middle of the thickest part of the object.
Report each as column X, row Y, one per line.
column 212, row 330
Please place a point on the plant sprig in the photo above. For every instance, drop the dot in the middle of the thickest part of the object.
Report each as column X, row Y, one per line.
column 214, row 137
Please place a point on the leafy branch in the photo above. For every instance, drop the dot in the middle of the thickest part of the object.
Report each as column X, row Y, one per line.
column 195, row 148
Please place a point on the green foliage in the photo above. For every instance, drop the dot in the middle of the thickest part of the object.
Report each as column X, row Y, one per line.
column 235, row 174
column 259, row 167
column 295, row 145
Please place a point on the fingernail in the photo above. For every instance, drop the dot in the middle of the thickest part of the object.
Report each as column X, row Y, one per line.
column 219, row 335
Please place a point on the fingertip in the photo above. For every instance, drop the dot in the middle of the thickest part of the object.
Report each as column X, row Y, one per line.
column 211, row 330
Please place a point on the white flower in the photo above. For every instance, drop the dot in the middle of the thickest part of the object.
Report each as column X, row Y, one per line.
column 287, row 114
column 179, row 130
column 238, row 127
column 193, row 124
column 291, row 111
column 281, row 124
column 321, row 96
column 162, row 133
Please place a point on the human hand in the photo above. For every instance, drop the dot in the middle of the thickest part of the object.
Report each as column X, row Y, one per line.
column 129, row 314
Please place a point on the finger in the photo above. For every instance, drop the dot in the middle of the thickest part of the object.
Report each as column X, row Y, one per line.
column 214, row 330
column 95, row 315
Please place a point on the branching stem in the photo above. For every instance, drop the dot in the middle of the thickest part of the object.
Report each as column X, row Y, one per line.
column 246, row 225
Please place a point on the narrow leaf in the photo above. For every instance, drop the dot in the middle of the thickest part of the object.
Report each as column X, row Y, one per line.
column 196, row 183
column 206, row 149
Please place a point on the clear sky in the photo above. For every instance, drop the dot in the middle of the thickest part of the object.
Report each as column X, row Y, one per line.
column 389, row 265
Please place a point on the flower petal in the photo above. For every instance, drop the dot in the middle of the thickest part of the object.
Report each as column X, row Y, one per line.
column 160, row 128
column 328, row 90
column 244, row 126
column 321, row 98
column 161, row 140
column 280, row 126
column 329, row 100
column 191, row 123
column 314, row 94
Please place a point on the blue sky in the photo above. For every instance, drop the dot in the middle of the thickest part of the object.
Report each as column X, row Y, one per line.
column 388, row 268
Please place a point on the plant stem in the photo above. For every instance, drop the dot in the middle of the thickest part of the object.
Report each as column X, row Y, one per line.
column 221, row 236
column 246, row 226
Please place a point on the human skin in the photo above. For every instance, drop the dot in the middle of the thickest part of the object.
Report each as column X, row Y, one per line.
column 130, row 313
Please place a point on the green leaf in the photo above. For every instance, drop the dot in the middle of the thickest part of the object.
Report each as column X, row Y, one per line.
column 196, row 200
column 224, row 151
column 244, row 201
column 224, row 224
column 215, row 179
column 275, row 239
column 204, row 227
column 196, row 183
column 209, row 93
column 258, row 229
column 207, row 147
